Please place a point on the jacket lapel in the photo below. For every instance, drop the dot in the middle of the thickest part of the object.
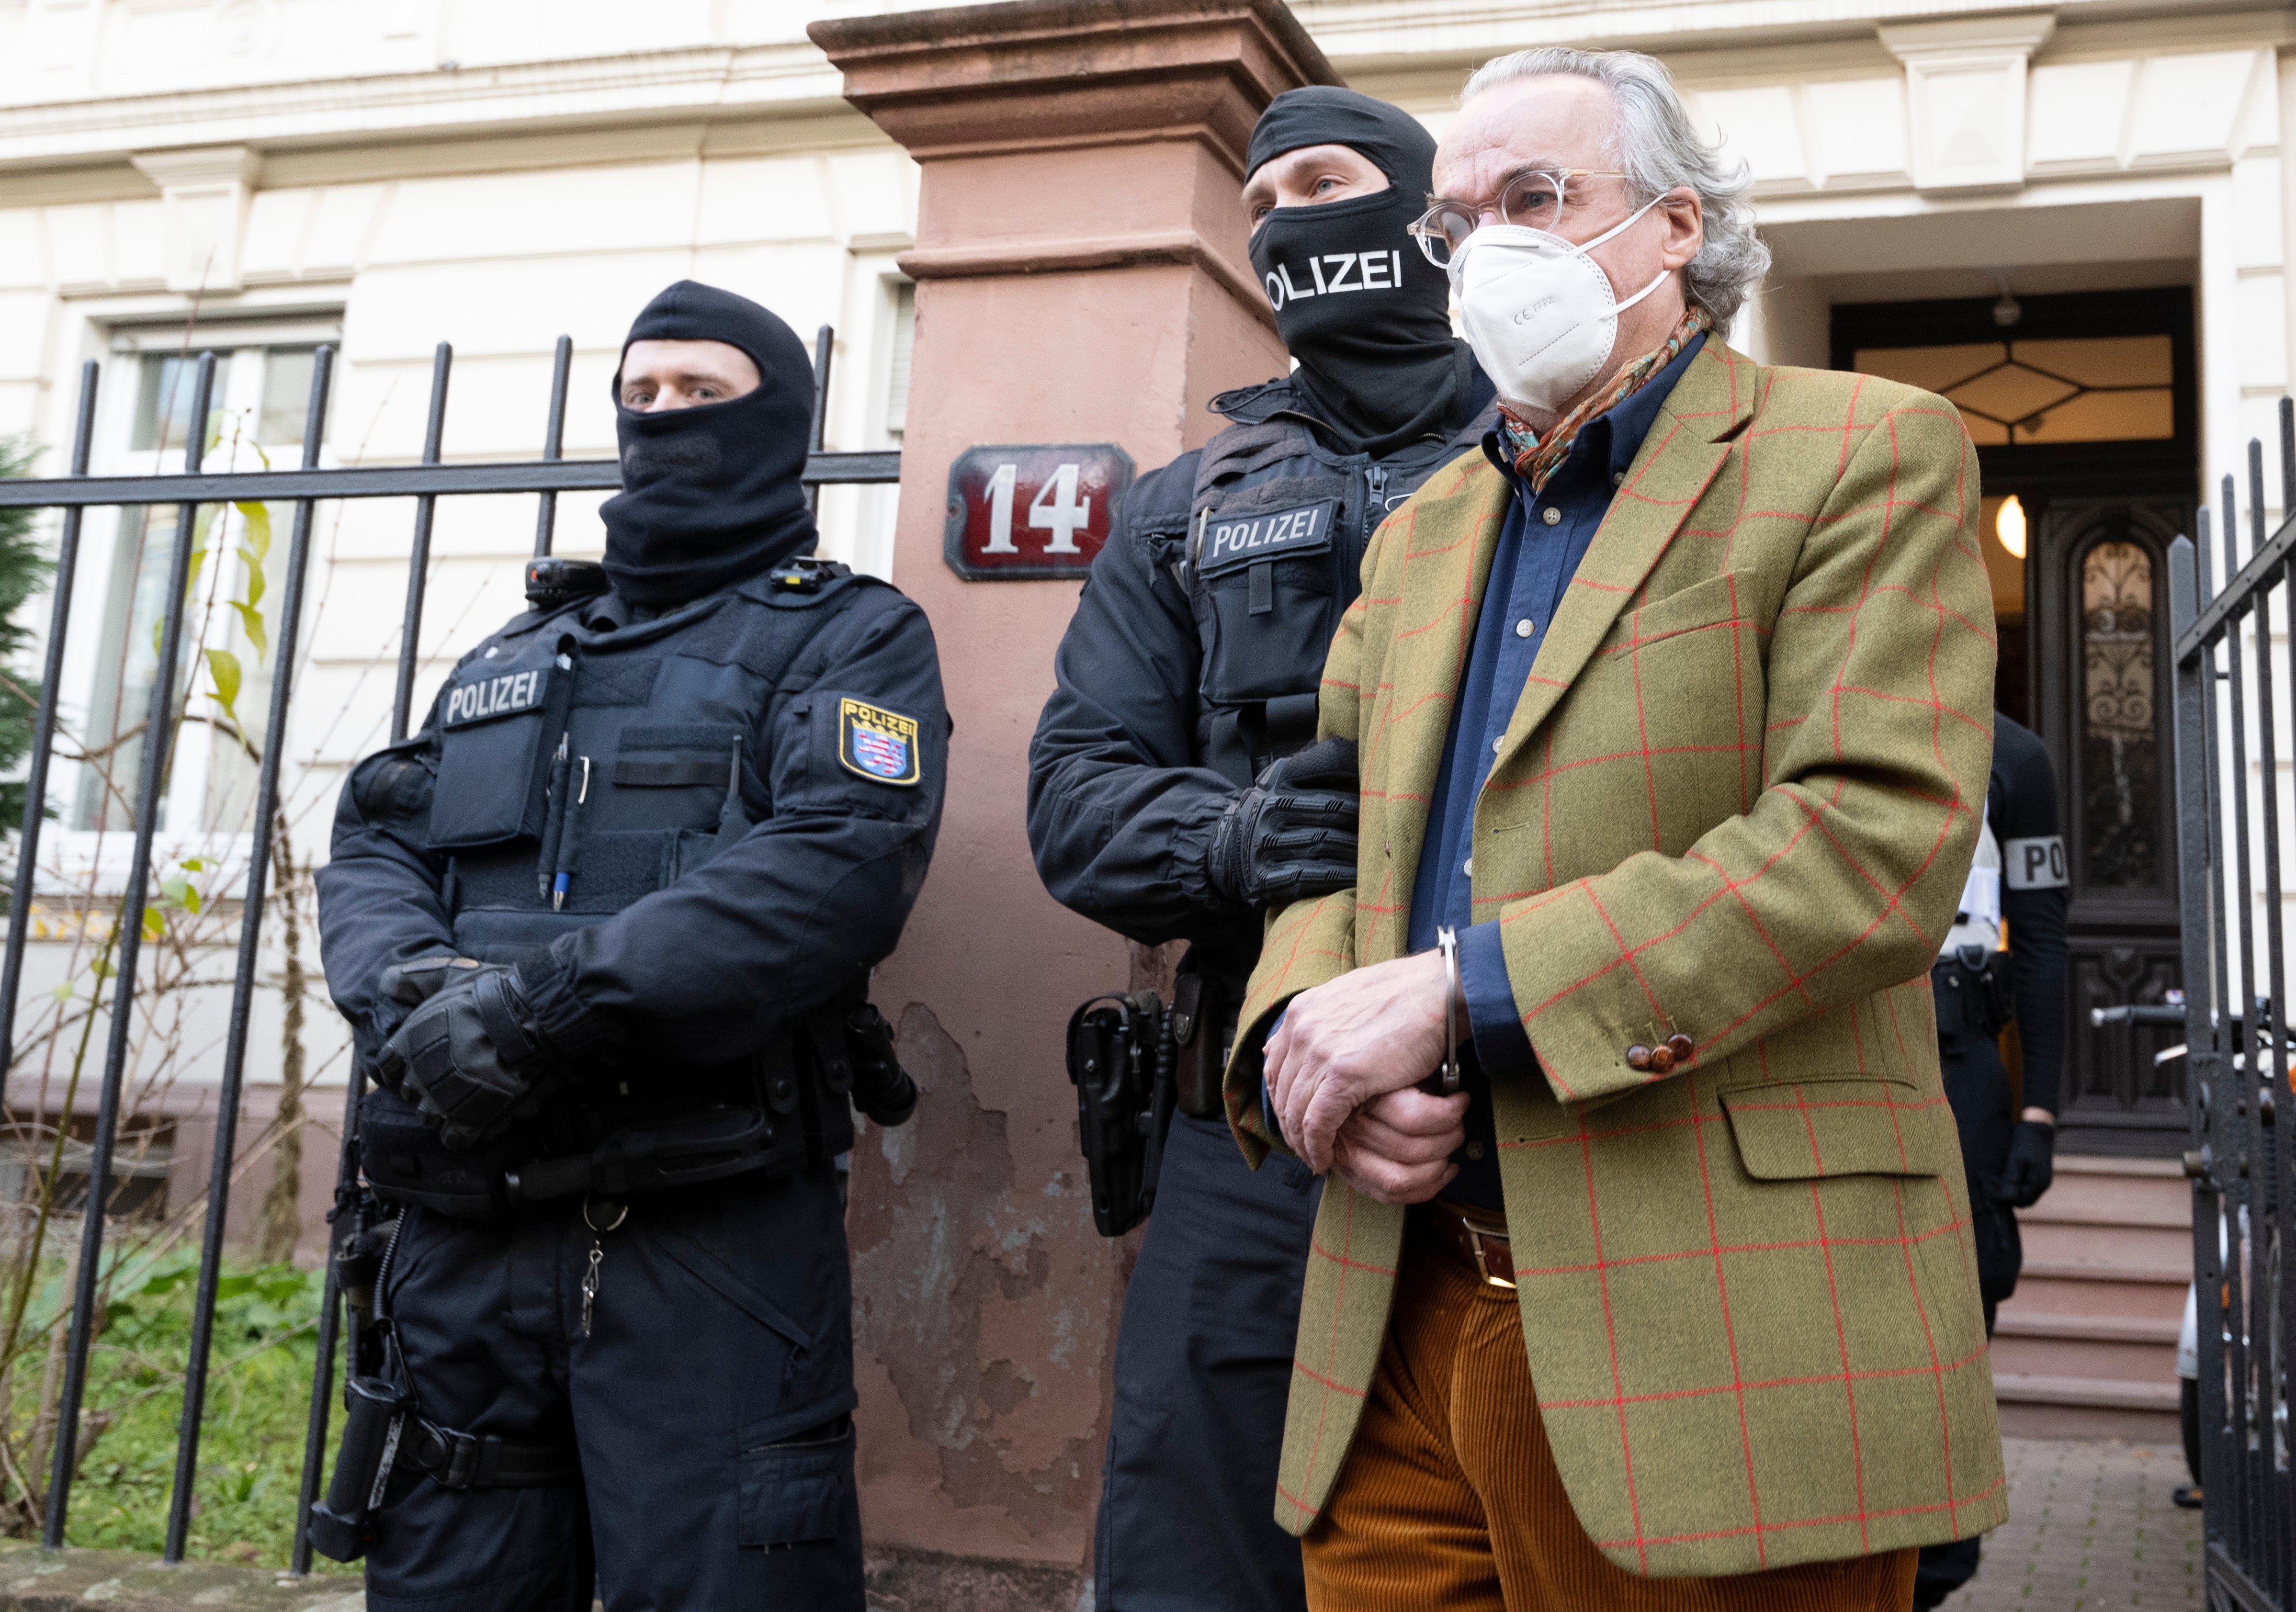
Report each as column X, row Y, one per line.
column 1686, row 446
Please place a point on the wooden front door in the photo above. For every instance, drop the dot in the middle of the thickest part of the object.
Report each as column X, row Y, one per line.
column 2099, row 619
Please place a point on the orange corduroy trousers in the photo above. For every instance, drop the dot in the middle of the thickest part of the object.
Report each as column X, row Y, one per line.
column 1450, row 1497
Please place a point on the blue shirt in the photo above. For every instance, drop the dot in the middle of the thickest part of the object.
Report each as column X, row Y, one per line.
column 1539, row 548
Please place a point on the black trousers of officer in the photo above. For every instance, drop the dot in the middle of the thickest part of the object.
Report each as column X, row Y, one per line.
column 1203, row 1370
column 1977, row 1088
column 710, row 1401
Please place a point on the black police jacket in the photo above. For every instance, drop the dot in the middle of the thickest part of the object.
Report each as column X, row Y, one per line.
column 2020, row 806
column 688, row 832
column 1194, row 655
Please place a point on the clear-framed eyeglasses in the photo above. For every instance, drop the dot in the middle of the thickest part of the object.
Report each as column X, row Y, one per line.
column 1532, row 199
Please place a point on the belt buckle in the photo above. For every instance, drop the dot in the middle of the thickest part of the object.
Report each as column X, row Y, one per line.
column 1475, row 1235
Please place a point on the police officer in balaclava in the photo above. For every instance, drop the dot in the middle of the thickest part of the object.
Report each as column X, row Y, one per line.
column 1174, row 793
column 602, row 931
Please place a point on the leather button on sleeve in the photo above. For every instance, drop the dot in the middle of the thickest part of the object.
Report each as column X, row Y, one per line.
column 1681, row 1046
column 1640, row 1058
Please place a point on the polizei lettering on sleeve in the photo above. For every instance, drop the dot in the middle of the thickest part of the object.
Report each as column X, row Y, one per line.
column 483, row 698
column 2035, row 864
column 1233, row 540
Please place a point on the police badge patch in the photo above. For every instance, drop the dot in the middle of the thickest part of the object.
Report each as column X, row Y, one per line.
column 880, row 745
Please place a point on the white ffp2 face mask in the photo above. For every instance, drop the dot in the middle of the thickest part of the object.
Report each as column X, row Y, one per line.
column 1539, row 313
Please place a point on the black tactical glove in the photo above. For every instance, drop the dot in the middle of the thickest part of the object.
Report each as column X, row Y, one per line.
column 470, row 1055
column 2028, row 1171
column 1292, row 834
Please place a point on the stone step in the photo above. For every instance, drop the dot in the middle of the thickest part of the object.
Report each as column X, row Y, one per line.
column 2176, row 1276
column 2097, row 1359
column 2086, row 1198
column 2097, row 1326
column 2045, row 1292
column 2036, row 1389
column 2139, row 1253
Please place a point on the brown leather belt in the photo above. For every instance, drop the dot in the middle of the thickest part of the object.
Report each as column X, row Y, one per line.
column 1478, row 1237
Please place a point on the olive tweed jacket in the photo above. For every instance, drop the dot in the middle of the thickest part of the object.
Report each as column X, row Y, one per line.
column 1737, row 804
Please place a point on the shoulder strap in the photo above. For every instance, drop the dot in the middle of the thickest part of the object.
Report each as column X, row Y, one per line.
column 767, row 623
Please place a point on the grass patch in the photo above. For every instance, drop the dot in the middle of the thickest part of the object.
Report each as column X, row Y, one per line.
column 252, row 1438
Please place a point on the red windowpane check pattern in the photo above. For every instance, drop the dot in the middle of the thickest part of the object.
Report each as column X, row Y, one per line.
column 1735, row 802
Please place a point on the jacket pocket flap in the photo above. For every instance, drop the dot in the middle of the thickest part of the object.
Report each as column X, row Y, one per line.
column 1800, row 1129
column 1718, row 602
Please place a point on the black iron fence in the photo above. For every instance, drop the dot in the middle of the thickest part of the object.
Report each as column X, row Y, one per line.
column 2232, row 674
column 303, row 487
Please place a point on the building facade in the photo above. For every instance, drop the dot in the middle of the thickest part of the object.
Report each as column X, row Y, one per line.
column 2072, row 220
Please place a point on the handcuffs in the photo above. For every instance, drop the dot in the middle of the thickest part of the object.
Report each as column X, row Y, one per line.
column 1445, row 1081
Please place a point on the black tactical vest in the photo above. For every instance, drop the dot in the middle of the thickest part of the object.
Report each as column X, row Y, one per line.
column 583, row 765
column 1270, row 551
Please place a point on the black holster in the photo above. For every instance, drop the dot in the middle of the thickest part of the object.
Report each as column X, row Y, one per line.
column 1203, row 1025
column 383, row 1424
column 1121, row 1061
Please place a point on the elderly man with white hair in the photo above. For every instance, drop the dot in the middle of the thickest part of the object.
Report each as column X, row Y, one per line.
column 1643, row 1277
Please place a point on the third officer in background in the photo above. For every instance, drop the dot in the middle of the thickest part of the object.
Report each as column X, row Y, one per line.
column 2003, row 962
column 1174, row 793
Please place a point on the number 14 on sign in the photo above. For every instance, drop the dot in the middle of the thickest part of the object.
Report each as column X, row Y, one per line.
column 1055, row 509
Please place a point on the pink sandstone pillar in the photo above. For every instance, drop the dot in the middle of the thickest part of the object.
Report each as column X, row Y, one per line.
column 1082, row 277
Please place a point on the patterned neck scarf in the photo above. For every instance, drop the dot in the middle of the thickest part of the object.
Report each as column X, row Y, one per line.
column 1536, row 458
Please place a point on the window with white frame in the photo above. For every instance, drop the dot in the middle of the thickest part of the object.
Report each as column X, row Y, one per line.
column 222, row 680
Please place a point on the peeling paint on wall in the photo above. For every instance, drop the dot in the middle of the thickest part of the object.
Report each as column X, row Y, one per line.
column 986, row 1299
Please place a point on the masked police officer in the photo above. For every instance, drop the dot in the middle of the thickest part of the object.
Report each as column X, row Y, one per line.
column 1174, row 793
column 602, row 931
column 2015, row 899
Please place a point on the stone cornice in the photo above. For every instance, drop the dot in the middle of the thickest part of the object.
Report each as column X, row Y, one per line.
column 789, row 80
column 1386, row 37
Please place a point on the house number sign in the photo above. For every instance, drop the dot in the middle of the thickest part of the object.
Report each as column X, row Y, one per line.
column 1037, row 510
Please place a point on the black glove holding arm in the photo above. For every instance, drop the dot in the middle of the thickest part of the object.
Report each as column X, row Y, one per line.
column 470, row 1055
column 1292, row 834
column 2026, row 1173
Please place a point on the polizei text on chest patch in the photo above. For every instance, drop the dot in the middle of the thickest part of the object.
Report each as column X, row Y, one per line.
column 1234, row 540
column 483, row 698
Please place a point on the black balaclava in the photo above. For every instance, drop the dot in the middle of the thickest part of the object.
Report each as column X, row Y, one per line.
column 710, row 495
column 1357, row 302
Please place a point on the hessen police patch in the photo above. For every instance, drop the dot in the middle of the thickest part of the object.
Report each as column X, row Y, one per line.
column 1234, row 540
column 483, row 698
column 879, row 744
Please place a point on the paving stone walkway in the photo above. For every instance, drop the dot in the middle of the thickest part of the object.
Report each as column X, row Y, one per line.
column 2090, row 1528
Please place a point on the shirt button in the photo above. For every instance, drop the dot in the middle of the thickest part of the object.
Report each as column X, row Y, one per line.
column 1469, row 867
column 1498, row 745
column 1617, row 479
column 1550, row 515
column 1525, row 627
column 1474, row 1149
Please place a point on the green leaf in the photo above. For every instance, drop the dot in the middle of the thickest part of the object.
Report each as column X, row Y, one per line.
column 222, row 665
column 257, row 520
column 191, row 864
column 255, row 582
column 182, row 892
column 63, row 992
column 155, row 923
column 101, row 966
column 250, row 622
